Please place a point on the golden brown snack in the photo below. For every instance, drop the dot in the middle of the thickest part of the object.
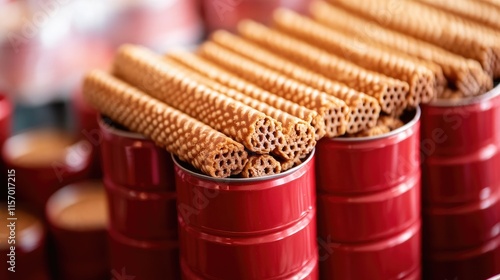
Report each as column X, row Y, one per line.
column 146, row 70
column 364, row 109
column 285, row 165
column 385, row 124
column 333, row 110
column 391, row 122
column 192, row 141
column 299, row 135
column 210, row 70
column 420, row 78
column 261, row 165
column 464, row 74
column 448, row 31
column 390, row 93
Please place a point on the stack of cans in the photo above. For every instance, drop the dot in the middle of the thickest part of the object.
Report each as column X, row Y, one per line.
column 139, row 181
column 461, row 188
column 369, row 205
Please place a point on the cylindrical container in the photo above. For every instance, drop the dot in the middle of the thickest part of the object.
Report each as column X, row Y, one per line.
column 461, row 187
column 5, row 130
column 26, row 258
column 260, row 228
column 78, row 218
column 45, row 160
column 369, row 204
column 226, row 14
column 140, row 186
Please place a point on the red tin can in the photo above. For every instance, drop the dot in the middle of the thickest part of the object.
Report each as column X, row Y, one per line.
column 261, row 228
column 30, row 259
column 45, row 160
column 461, row 187
column 78, row 218
column 369, row 204
column 5, row 118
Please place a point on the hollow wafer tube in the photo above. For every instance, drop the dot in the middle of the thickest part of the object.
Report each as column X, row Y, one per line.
column 146, row 70
column 390, row 93
column 261, row 165
column 299, row 135
column 385, row 124
column 333, row 110
column 464, row 74
column 446, row 30
column 192, row 141
column 364, row 109
column 211, row 71
column 420, row 78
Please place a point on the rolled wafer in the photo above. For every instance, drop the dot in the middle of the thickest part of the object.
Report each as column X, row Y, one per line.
column 364, row 109
column 446, row 30
column 192, row 141
column 299, row 135
column 390, row 93
column 420, row 78
column 285, row 165
column 333, row 110
column 211, row 71
column 391, row 122
column 464, row 74
column 261, row 165
column 142, row 68
column 385, row 124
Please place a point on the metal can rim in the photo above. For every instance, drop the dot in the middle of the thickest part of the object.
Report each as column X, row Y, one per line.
column 243, row 180
column 494, row 92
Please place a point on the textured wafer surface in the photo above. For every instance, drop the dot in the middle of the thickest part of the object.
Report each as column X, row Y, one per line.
column 211, row 71
column 385, row 124
column 140, row 67
column 464, row 74
column 364, row 109
column 261, row 165
column 333, row 110
column 192, row 141
column 390, row 93
column 419, row 77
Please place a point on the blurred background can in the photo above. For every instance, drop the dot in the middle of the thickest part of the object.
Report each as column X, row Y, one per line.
column 369, row 205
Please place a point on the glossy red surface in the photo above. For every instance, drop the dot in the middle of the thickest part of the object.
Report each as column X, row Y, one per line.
column 132, row 161
column 263, row 228
column 145, row 260
column 5, row 118
column 394, row 258
column 370, row 216
column 142, row 215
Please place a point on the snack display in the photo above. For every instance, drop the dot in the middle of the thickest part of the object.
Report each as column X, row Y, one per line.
column 205, row 148
column 333, row 110
column 466, row 75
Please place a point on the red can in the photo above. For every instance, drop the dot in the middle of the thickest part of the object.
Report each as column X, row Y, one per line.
column 5, row 118
column 45, row 160
column 140, row 183
column 78, row 218
column 261, row 228
column 27, row 258
column 461, row 187
column 369, row 204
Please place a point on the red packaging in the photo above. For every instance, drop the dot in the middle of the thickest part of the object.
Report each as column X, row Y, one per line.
column 77, row 215
column 261, row 228
column 5, row 118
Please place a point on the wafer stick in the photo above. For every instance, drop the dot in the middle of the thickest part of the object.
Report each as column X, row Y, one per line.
column 285, row 165
column 440, row 28
column 390, row 93
column 421, row 80
column 385, row 124
column 258, row 132
column 210, row 70
column 261, row 165
column 364, row 109
column 464, row 74
column 333, row 110
column 299, row 135
column 203, row 147
column 391, row 122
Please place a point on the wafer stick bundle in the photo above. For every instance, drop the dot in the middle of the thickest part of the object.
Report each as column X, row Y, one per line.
column 261, row 165
column 140, row 67
column 203, row 147
column 211, row 71
column 364, row 109
column 420, row 78
column 333, row 110
column 385, row 124
column 440, row 28
column 391, row 93
column 466, row 75
column 299, row 135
